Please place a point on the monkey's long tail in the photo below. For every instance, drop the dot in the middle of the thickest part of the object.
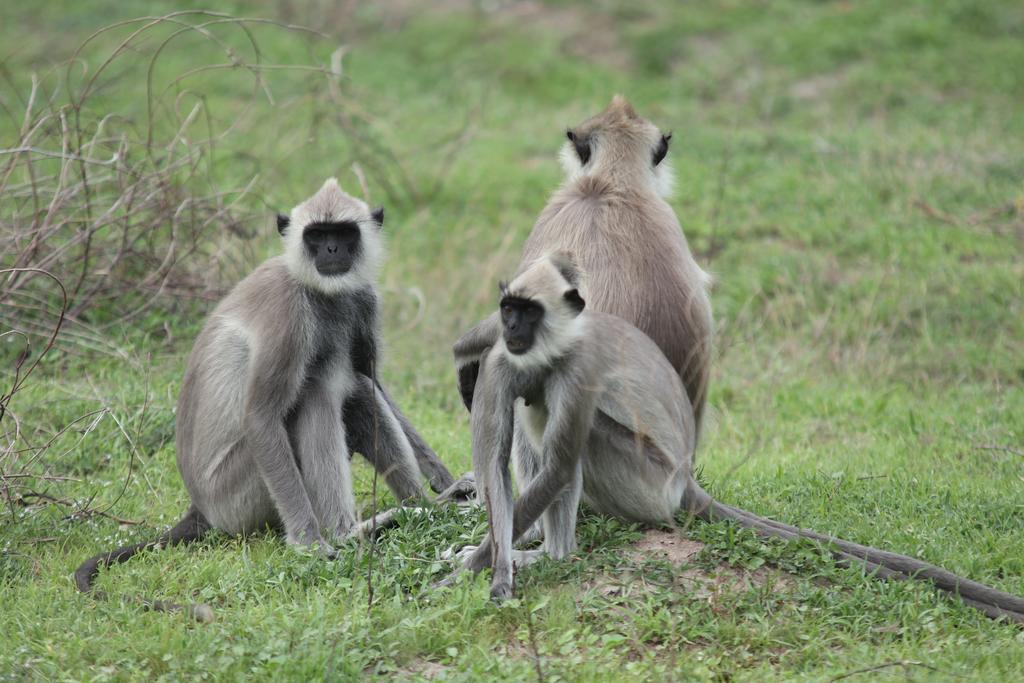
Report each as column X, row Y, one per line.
column 192, row 527
column 881, row 563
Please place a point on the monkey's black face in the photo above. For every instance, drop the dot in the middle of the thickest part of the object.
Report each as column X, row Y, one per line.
column 333, row 247
column 521, row 317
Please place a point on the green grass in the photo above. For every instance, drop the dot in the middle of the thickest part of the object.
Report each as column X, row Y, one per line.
column 869, row 379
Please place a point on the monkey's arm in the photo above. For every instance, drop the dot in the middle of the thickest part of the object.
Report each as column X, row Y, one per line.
column 468, row 351
column 430, row 465
column 271, row 390
column 572, row 405
column 492, row 429
column 364, row 344
column 364, row 361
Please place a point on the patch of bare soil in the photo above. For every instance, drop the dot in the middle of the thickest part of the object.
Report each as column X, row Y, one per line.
column 669, row 546
column 659, row 544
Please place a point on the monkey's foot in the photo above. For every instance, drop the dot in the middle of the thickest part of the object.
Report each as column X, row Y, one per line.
column 524, row 558
column 500, row 592
column 462, row 492
column 461, row 555
column 533, row 534
column 450, row 579
column 501, row 586
column 370, row 528
column 520, row 559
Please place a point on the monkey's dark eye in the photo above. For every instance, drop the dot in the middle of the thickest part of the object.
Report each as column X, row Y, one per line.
column 314, row 236
column 533, row 313
column 506, row 311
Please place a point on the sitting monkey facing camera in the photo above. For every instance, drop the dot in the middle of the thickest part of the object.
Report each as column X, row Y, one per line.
column 280, row 389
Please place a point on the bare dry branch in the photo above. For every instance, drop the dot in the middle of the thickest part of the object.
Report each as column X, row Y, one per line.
column 124, row 217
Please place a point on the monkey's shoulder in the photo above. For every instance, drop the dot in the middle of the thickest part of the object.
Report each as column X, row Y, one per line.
column 269, row 287
column 591, row 211
column 604, row 327
column 600, row 190
column 617, row 342
column 583, row 199
column 270, row 308
column 254, row 306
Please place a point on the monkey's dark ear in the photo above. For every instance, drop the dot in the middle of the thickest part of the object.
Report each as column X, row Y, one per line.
column 662, row 149
column 378, row 216
column 582, row 146
column 565, row 263
column 575, row 300
column 283, row 221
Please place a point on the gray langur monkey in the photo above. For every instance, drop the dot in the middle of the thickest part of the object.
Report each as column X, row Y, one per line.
column 599, row 411
column 280, row 389
column 610, row 212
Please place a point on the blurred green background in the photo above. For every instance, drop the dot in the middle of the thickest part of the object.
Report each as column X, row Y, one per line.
column 852, row 173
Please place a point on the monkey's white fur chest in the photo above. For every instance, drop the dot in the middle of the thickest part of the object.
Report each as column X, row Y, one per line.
column 533, row 419
column 338, row 376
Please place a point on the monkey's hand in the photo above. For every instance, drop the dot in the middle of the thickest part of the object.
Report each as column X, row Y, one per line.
column 344, row 531
column 533, row 534
column 461, row 556
column 524, row 558
column 462, row 492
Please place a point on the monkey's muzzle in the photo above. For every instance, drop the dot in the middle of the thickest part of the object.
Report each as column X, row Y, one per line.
column 517, row 346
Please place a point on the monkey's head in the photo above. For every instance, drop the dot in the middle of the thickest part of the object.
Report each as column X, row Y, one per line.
column 540, row 311
column 619, row 142
column 332, row 240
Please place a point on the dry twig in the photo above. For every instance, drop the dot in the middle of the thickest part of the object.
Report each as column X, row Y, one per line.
column 124, row 218
column 906, row 663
